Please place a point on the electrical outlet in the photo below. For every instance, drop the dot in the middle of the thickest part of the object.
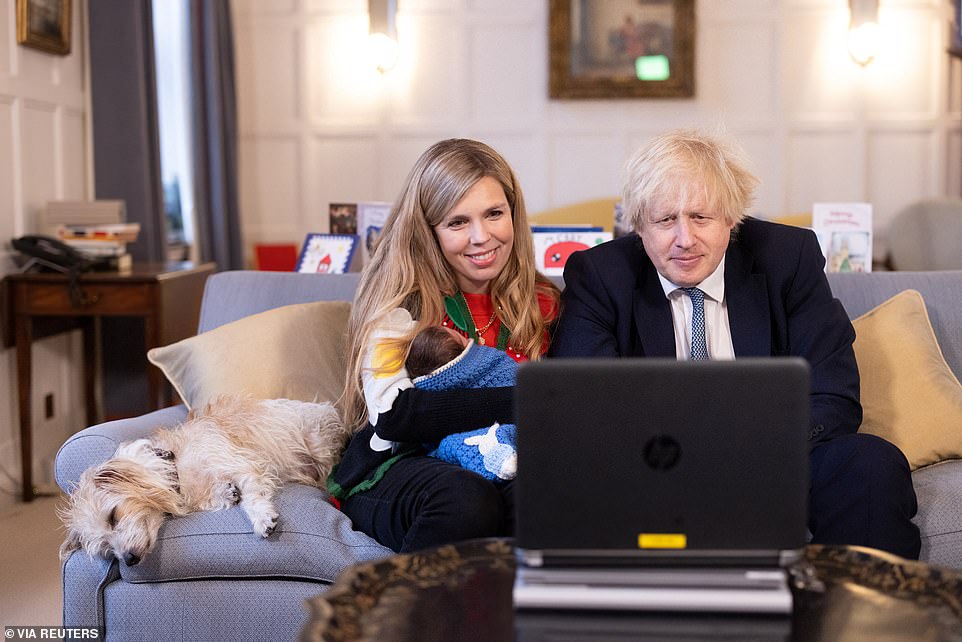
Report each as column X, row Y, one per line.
column 48, row 406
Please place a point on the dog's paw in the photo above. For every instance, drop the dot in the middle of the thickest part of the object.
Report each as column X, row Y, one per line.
column 265, row 524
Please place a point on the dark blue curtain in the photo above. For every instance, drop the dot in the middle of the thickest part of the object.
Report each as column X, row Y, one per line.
column 123, row 95
column 215, row 134
column 126, row 153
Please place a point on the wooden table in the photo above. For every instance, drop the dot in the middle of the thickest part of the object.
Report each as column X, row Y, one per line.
column 463, row 592
column 167, row 297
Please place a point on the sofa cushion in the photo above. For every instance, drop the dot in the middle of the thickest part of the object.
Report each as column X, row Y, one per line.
column 313, row 541
column 909, row 395
column 292, row 352
column 939, row 492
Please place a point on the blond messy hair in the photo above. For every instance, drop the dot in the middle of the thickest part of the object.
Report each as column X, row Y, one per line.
column 682, row 166
column 409, row 270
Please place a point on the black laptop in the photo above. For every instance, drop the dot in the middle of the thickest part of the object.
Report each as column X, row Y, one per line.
column 686, row 480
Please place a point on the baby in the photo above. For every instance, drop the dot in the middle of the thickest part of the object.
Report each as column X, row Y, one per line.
column 441, row 359
column 433, row 347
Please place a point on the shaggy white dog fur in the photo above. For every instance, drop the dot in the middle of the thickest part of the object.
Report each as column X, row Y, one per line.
column 236, row 451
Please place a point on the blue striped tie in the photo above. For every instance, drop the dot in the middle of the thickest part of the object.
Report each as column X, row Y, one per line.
column 699, row 348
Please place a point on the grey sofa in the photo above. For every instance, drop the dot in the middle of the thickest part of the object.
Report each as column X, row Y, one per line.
column 209, row 578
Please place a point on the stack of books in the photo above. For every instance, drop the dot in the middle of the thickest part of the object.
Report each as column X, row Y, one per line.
column 102, row 241
column 94, row 228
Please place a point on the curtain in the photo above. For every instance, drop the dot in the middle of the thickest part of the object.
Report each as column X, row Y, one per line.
column 126, row 156
column 215, row 135
column 124, row 117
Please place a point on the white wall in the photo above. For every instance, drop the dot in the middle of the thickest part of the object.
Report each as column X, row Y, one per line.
column 318, row 126
column 43, row 156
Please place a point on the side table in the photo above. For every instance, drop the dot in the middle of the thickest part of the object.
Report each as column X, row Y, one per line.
column 166, row 295
column 463, row 592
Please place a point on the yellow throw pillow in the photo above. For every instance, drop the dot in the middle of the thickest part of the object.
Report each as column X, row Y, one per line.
column 909, row 394
column 292, row 352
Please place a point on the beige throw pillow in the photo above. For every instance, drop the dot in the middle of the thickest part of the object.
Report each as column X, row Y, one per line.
column 292, row 352
column 909, row 395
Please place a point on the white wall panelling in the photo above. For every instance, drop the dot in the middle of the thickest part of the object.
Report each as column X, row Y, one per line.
column 432, row 80
column 739, row 70
column 910, row 155
column 505, row 94
column 829, row 162
column 44, row 155
column 346, row 165
column 271, row 64
column 52, row 373
column 590, row 168
column 776, row 73
column 7, row 20
column 8, row 182
column 39, row 158
column 341, row 89
column 73, row 151
column 270, row 180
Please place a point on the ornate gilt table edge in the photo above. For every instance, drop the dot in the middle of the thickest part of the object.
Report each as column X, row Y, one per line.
column 336, row 614
column 888, row 574
column 358, row 587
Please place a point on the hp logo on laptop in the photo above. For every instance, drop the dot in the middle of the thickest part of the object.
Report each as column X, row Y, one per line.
column 662, row 452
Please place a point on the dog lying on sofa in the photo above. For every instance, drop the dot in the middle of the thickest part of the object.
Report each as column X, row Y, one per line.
column 236, row 451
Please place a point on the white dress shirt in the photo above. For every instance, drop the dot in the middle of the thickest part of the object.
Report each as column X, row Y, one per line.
column 718, row 333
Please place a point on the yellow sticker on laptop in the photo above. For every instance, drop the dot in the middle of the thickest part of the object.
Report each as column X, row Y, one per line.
column 663, row 540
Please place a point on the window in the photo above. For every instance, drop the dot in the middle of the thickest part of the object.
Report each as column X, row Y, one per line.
column 171, row 22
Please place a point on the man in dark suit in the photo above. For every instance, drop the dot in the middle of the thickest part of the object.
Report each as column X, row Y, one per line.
column 700, row 280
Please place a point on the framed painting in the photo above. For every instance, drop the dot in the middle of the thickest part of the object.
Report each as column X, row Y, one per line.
column 44, row 25
column 621, row 48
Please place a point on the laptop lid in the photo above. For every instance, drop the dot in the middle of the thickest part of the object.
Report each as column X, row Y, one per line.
column 660, row 461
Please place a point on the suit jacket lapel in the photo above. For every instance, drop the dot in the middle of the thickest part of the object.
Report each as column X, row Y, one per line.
column 748, row 310
column 653, row 315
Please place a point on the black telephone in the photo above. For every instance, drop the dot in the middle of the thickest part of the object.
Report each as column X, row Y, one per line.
column 49, row 252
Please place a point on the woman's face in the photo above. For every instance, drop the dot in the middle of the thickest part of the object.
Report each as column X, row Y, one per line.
column 477, row 235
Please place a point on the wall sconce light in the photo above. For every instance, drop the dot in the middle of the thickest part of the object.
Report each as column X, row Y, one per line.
column 863, row 31
column 382, row 33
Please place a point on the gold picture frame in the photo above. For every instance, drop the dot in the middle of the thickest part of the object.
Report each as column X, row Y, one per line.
column 44, row 25
column 955, row 33
column 621, row 49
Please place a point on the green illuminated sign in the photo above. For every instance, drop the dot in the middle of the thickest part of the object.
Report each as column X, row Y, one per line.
column 652, row 67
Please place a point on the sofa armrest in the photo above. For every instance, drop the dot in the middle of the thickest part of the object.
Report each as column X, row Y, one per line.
column 84, row 580
column 97, row 444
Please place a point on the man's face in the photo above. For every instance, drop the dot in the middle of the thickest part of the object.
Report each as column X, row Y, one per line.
column 685, row 246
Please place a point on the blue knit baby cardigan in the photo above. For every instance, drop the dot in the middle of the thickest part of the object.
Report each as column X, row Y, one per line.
column 488, row 451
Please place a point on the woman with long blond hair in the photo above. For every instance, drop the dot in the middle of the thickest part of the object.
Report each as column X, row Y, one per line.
column 456, row 251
